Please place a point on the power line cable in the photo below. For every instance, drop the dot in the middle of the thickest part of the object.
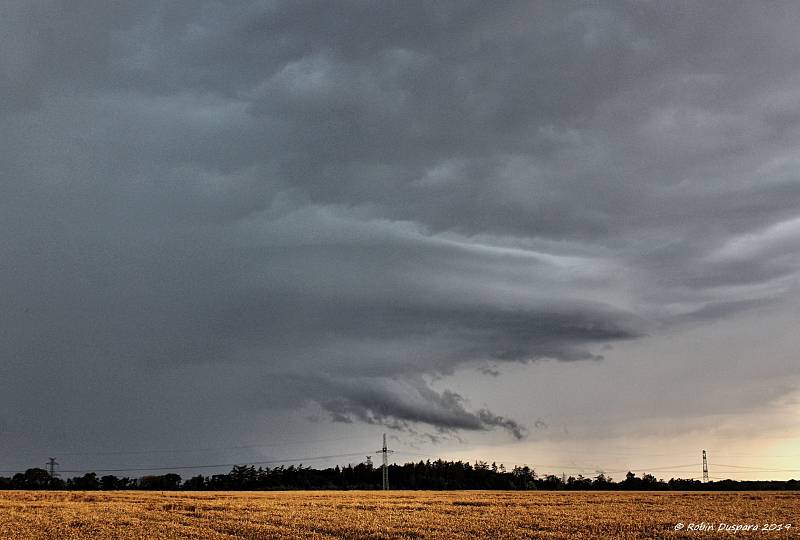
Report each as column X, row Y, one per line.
column 217, row 465
column 756, row 469
column 743, row 469
column 208, row 449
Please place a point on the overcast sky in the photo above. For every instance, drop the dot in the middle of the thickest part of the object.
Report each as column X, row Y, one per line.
column 564, row 234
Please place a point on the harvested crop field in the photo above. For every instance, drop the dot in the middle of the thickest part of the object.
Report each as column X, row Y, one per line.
column 395, row 514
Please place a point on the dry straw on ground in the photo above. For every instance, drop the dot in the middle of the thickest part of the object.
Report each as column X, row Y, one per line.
column 387, row 515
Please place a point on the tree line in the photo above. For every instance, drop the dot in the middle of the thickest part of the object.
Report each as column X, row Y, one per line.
column 422, row 475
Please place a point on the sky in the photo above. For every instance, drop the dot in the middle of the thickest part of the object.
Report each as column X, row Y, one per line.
column 555, row 233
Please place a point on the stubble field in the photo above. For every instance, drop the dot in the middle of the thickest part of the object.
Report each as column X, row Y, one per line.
column 390, row 515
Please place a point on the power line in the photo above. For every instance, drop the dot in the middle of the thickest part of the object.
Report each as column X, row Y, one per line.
column 756, row 469
column 726, row 454
column 741, row 469
column 208, row 449
column 663, row 468
column 210, row 466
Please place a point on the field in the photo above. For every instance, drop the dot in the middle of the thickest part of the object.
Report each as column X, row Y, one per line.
column 395, row 514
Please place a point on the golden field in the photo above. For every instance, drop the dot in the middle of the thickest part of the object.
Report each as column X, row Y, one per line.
column 389, row 515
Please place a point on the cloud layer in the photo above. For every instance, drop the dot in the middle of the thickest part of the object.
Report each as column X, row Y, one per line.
column 342, row 203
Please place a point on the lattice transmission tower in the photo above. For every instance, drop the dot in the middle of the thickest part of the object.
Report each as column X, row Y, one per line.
column 385, row 473
column 705, row 467
column 51, row 467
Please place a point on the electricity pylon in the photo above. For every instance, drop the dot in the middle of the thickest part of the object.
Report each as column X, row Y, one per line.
column 705, row 467
column 51, row 467
column 385, row 451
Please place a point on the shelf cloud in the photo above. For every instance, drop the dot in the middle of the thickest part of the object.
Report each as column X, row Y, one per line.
column 340, row 205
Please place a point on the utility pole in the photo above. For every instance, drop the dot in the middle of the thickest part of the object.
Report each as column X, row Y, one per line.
column 385, row 451
column 705, row 468
column 51, row 467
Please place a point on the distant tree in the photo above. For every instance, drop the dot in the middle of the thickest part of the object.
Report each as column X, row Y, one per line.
column 35, row 478
column 164, row 482
column 88, row 481
column 649, row 481
column 195, row 483
column 109, row 481
column 550, row 481
column 580, row 482
column 601, row 481
column 244, row 477
column 630, row 482
column 524, row 477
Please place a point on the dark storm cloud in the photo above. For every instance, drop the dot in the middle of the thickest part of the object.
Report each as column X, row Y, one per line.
column 398, row 403
column 378, row 194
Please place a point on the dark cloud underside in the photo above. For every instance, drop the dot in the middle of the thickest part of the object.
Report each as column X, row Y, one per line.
column 341, row 202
